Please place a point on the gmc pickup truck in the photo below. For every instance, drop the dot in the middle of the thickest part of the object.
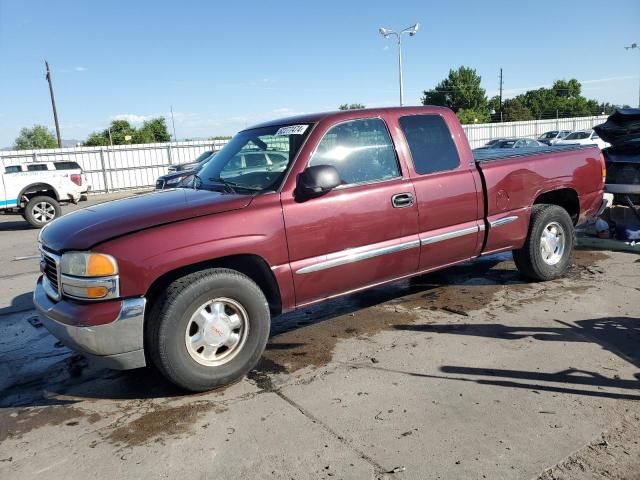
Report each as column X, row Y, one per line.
column 188, row 279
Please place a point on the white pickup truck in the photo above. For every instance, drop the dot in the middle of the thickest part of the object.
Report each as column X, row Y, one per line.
column 36, row 190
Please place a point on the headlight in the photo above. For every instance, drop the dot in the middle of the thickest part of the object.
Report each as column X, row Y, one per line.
column 81, row 264
column 89, row 276
column 174, row 181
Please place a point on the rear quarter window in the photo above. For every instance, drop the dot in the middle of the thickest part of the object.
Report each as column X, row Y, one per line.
column 430, row 142
column 13, row 169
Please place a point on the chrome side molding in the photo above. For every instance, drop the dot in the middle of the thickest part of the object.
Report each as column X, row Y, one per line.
column 503, row 221
column 450, row 235
column 350, row 257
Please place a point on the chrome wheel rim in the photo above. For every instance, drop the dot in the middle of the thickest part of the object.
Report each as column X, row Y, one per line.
column 43, row 212
column 552, row 243
column 217, row 331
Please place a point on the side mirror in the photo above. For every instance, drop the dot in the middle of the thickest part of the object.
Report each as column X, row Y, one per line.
column 317, row 180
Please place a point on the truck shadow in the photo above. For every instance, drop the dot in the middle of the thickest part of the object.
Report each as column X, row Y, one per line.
column 57, row 371
column 19, row 303
column 67, row 381
column 14, row 225
column 618, row 335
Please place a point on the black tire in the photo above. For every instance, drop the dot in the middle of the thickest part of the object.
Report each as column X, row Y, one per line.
column 171, row 314
column 529, row 259
column 39, row 210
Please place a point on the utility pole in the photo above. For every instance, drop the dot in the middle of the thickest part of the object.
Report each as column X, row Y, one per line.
column 500, row 94
column 175, row 139
column 53, row 103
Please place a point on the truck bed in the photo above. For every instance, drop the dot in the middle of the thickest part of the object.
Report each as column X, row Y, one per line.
column 488, row 155
column 570, row 175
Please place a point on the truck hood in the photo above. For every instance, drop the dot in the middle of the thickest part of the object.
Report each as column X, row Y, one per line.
column 82, row 229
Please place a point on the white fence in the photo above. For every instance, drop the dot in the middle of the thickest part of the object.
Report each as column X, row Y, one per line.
column 480, row 134
column 137, row 166
column 119, row 167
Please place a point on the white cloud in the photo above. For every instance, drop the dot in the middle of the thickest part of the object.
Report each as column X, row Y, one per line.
column 132, row 117
column 283, row 111
column 80, row 69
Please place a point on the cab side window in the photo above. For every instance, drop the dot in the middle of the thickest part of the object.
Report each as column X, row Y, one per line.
column 361, row 151
column 432, row 147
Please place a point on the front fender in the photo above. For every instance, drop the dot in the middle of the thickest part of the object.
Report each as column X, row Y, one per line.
column 146, row 255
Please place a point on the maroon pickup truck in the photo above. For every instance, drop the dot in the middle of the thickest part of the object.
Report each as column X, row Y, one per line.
column 290, row 213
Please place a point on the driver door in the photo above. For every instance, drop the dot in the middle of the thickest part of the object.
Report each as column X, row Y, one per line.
column 361, row 233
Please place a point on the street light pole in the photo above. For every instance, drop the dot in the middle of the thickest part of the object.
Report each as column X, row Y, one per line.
column 636, row 47
column 173, row 124
column 53, row 104
column 400, row 69
column 386, row 33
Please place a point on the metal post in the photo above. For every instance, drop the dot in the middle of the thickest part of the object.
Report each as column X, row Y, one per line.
column 175, row 139
column 169, row 154
column 400, row 69
column 500, row 94
column 104, row 171
column 386, row 33
column 53, row 104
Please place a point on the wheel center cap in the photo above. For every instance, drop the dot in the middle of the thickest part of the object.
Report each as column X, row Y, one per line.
column 217, row 332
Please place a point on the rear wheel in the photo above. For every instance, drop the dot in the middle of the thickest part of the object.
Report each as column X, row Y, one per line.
column 208, row 329
column 41, row 210
column 547, row 250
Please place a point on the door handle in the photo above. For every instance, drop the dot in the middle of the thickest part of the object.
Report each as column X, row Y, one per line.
column 402, row 200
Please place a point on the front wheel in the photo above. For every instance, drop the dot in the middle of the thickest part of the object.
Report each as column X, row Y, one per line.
column 208, row 329
column 41, row 210
column 547, row 250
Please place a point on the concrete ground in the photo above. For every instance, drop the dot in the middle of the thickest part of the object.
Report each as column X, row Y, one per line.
column 467, row 373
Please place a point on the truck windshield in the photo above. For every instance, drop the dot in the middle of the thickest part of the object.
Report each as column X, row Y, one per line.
column 254, row 160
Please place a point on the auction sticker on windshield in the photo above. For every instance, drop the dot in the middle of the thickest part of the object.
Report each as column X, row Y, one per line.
column 292, row 130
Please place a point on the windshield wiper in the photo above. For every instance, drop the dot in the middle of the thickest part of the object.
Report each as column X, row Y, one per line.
column 229, row 185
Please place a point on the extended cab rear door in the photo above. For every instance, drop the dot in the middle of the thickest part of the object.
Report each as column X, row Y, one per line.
column 448, row 188
column 364, row 231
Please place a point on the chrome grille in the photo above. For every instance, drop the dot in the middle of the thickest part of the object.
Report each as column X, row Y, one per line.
column 50, row 264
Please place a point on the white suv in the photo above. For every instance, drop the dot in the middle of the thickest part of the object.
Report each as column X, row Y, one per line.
column 35, row 190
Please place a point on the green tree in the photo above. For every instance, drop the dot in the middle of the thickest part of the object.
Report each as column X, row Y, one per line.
column 152, row 131
column 117, row 132
column 473, row 116
column 564, row 99
column 352, row 106
column 35, row 137
column 514, row 110
column 460, row 90
column 567, row 89
column 97, row 139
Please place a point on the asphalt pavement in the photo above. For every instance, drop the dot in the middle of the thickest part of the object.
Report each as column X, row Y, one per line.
column 468, row 373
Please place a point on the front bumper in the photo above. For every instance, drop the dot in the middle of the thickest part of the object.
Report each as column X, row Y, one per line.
column 117, row 344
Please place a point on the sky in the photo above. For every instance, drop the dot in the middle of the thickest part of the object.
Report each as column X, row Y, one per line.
column 224, row 66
